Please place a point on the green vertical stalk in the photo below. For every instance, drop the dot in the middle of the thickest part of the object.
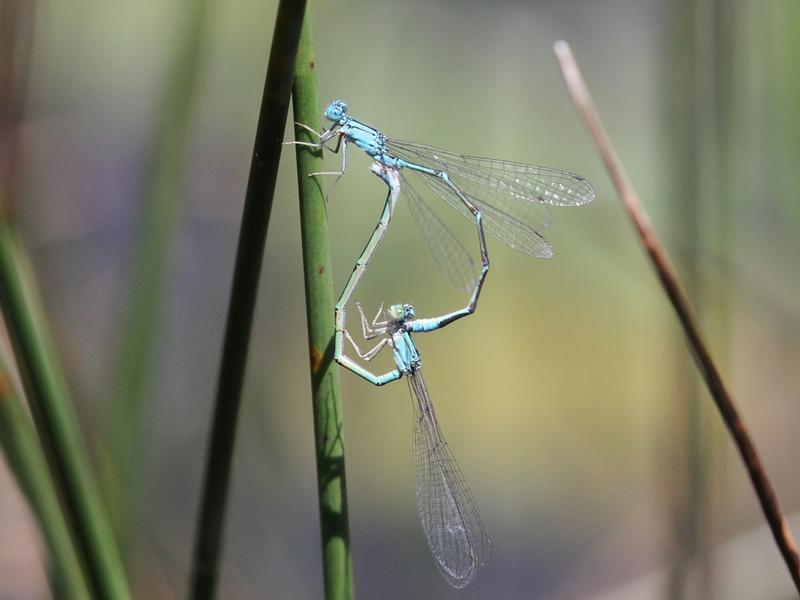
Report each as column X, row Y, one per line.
column 55, row 418
column 129, row 406
column 29, row 465
column 249, row 254
column 57, row 426
column 326, row 394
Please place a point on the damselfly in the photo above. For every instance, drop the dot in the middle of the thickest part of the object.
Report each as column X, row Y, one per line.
column 514, row 198
column 448, row 512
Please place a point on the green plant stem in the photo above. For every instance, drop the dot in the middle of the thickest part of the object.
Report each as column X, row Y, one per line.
column 162, row 209
column 45, row 388
column 326, row 394
column 27, row 460
column 55, row 418
column 249, row 254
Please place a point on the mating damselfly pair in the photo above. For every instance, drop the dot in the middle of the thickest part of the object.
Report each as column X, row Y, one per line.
column 509, row 200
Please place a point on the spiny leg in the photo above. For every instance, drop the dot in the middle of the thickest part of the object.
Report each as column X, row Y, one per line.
column 341, row 171
column 315, row 145
column 323, row 137
column 376, row 329
column 369, row 354
column 360, row 370
column 311, row 130
column 341, row 142
column 375, row 322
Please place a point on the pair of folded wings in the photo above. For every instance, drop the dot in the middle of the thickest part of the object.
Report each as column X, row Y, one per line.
column 514, row 200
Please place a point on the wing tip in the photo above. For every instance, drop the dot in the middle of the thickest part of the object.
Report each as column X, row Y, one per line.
column 458, row 581
column 589, row 195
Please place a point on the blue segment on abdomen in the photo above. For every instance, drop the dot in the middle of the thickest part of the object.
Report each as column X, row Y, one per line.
column 423, row 325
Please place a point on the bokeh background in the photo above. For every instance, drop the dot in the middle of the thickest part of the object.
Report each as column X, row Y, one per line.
column 569, row 399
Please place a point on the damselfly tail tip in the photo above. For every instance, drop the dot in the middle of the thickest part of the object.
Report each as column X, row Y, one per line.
column 561, row 48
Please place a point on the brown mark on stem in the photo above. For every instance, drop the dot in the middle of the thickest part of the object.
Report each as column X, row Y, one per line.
column 316, row 358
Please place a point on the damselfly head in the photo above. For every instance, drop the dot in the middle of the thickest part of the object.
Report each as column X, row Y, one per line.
column 336, row 110
column 401, row 312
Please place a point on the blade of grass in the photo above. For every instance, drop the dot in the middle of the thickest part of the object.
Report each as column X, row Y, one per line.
column 36, row 359
column 325, row 390
column 125, row 443
column 29, row 465
column 672, row 286
column 249, row 254
column 55, row 417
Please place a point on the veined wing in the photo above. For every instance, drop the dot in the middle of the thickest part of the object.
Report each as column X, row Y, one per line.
column 517, row 193
column 448, row 512
column 522, row 181
column 452, row 258
column 514, row 233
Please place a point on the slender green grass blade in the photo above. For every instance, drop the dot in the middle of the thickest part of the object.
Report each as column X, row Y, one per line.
column 326, row 394
column 252, row 238
column 55, row 418
column 29, row 465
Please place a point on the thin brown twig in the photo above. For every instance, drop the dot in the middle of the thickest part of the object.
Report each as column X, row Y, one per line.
column 672, row 286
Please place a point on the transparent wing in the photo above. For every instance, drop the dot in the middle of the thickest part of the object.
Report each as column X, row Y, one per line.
column 449, row 514
column 505, row 227
column 452, row 258
column 515, row 196
column 521, row 181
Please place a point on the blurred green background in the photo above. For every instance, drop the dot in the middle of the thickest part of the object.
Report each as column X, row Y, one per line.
column 569, row 399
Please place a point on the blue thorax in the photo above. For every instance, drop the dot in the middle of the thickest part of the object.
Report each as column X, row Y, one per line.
column 370, row 140
column 404, row 351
